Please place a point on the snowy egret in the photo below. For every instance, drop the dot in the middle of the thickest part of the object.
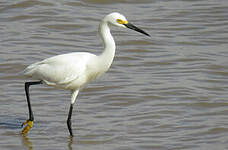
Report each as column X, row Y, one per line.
column 72, row 71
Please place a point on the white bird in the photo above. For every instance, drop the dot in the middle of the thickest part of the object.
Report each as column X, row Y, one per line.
column 72, row 71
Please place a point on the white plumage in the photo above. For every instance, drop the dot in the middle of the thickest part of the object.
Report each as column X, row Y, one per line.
column 67, row 71
column 72, row 71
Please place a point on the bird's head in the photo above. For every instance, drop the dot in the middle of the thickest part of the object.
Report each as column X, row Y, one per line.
column 119, row 20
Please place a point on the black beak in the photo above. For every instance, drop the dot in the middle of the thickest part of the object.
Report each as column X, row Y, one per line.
column 131, row 26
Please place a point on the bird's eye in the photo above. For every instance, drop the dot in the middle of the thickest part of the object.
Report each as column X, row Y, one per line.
column 122, row 21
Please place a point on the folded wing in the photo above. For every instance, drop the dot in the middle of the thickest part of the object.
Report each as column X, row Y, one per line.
column 59, row 70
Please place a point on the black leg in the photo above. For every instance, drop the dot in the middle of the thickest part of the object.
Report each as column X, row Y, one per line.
column 29, row 123
column 69, row 120
column 27, row 84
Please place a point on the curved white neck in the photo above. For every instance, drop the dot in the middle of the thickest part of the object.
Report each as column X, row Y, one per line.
column 108, row 54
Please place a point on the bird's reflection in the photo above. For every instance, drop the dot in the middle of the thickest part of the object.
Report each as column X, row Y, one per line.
column 70, row 143
column 28, row 143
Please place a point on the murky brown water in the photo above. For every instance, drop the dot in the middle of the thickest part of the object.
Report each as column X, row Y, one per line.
column 169, row 91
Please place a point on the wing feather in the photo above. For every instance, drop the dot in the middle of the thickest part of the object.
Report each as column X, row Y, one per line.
column 61, row 69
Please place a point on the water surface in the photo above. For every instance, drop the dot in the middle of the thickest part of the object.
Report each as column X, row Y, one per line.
column 164, row 92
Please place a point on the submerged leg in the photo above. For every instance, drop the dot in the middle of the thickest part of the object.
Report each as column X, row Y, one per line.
column 29, row 123
column 73, row 98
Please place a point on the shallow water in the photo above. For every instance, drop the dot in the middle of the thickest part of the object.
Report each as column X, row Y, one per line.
column 164, row 92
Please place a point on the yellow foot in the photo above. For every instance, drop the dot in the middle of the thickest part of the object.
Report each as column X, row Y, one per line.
column 28, row 125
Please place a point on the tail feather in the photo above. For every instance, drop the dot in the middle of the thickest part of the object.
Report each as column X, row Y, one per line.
column 29, row 71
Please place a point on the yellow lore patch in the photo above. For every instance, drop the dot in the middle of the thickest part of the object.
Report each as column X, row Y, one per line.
column 122, row 21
